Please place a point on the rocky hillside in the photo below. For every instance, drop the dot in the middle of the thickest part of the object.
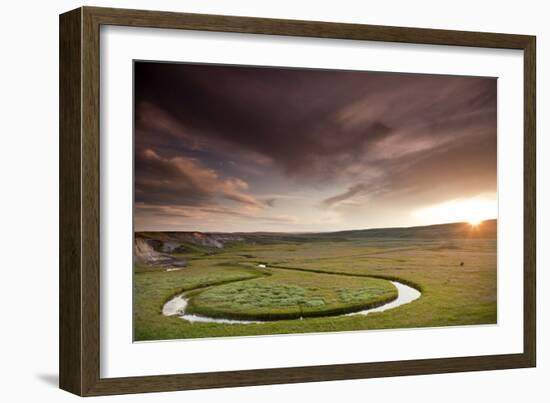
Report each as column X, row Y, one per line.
column 144, row 253
column 170, row 241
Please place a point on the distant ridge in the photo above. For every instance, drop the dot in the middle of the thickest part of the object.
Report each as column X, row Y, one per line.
column 485, row 229
column 186, row 241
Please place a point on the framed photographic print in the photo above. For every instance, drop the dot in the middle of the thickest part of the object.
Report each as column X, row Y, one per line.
column 251, row 201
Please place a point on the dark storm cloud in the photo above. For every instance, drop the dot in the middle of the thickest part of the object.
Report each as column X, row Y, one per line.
column 285, row 115
column 205, row 135
column 309, row 123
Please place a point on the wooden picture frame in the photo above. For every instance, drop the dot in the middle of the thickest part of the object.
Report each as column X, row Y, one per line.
column 79, row 346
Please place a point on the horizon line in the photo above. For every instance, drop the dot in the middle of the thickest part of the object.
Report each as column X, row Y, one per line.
column 317, row 232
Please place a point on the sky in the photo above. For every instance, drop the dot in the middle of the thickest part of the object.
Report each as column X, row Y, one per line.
column 222, row 148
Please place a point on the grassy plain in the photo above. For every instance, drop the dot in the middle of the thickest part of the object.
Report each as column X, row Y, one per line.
column 321, row 275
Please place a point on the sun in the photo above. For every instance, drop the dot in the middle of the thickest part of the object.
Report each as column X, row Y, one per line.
column 474, row 222
column 470, row 210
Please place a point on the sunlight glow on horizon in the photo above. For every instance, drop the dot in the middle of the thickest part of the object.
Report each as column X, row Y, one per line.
column 473, row 210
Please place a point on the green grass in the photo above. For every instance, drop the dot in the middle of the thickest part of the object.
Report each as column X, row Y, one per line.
column 153, row 288
column 451, row 294
column 288, row 294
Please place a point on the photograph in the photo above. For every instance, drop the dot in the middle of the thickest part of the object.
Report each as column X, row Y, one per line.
column 273, row 200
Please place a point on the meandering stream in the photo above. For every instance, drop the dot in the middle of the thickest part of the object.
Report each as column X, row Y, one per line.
column 177, row 305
